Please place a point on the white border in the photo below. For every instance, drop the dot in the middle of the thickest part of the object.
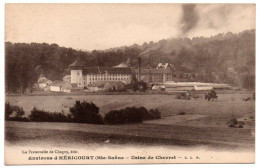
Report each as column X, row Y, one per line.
column 2, row 4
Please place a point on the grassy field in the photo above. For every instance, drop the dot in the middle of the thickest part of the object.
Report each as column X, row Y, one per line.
column 216, row 112
column 74, row 134
column 204, row 122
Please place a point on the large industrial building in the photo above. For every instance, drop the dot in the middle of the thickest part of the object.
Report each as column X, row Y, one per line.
column 160, row 75
column 83, row 76
column 154, row 75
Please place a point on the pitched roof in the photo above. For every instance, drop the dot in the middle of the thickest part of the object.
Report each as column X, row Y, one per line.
column 57, row 83
column 98, row 84
column 77, row 63
column 102, row 83
column 44, row 81
column 109, row 70
column 153, row 71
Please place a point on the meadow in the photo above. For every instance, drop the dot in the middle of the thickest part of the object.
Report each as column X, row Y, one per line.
column 217, row 112
column 203, row 122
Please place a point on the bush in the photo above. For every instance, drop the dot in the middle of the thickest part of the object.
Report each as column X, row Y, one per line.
column 155, row 114
column 183, row 95
column 8, row 111
column 22, row 119
column 19, row 113
column 127, row 115
column 232, row 122
column 181, row 113
column 38, row 115
column 86, row 112
column 131, row 115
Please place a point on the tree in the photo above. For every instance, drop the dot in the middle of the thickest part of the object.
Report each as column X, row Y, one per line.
column 142, row 86
column 86, row 112
column 134, row 83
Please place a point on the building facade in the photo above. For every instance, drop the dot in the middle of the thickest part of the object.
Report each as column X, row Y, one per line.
column 155, row 75
column 84, row 76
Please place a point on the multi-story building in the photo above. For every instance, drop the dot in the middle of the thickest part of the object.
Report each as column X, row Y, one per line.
column 83, row 76
column 155, row 75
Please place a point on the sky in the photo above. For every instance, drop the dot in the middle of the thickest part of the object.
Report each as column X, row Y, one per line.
column 103, row 26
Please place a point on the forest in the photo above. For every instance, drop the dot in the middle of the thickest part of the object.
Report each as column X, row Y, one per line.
column 224, row 58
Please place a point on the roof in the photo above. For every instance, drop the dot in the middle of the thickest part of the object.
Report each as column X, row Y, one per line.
column 163, row 65
column 43, row 81
column 77, row 63
column 67, row 77
column 153, row 71
column 98, row 84
column 102, row 83
column 109, row 70
column 57, row 83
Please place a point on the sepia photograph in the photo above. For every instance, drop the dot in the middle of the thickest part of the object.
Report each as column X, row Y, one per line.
column 147, row 83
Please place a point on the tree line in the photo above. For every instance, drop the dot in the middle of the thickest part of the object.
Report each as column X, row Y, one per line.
column 224, row 58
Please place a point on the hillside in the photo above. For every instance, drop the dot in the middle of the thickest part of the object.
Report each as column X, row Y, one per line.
column 224, row 58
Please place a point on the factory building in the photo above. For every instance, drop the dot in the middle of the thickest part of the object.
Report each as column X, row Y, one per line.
column 83, row 76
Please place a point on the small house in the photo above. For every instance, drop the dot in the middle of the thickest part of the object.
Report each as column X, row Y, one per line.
column 60, row 86
column 67, row 78
column 66, row 87
column 56, row 86
column 97, row 86
column 44, row 83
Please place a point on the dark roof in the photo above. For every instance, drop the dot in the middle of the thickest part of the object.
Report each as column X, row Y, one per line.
column 98, row 84
column 44, row 81
column 102, row 83
column 77, row 63
column 109, row 70
column 57, row 83
column 154, row 71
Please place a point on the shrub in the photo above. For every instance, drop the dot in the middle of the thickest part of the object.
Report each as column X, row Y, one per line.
column 183, row 95
column 19, row 113
column 240, row 124
column 142, row 86
column 8, row 111
column 131, row 115
column 127, row 115
column 155, row 113
column 22, row 119
column 232, row 122
column 38, row 115
column 181, row 113
column 86, row 112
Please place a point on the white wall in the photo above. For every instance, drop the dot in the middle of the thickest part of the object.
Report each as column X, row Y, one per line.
column 55, row 88
column 77, row 77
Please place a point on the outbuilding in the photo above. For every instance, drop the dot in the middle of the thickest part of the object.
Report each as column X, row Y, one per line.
column 60, row 86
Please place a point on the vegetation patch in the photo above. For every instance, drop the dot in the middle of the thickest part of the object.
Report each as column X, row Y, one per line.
column 14, row 113
column 181, row 113
column 131, row 115
column 38, row 115
column 85, row 112
column 234, row 123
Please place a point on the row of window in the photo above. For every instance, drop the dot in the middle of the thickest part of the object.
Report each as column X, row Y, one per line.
column 108, row 79
column 160, row 75
column 108, row 75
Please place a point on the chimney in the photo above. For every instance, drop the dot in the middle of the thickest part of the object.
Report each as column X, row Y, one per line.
column 139, row 68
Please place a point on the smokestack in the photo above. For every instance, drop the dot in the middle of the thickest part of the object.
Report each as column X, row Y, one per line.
column 139, row 68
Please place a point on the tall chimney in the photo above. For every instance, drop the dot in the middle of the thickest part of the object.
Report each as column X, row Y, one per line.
column 139, row 68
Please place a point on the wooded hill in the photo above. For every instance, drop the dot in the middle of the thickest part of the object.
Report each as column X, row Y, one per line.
column 224, row 58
